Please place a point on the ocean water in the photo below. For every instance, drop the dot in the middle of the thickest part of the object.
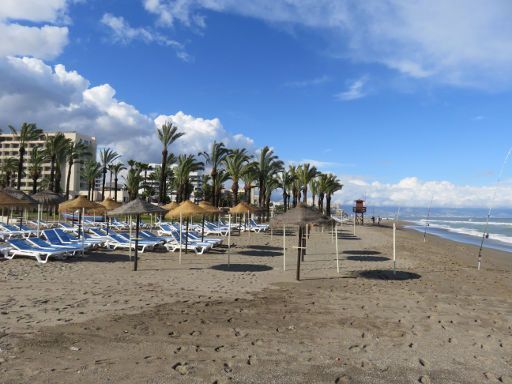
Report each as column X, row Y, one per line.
column 456, row 224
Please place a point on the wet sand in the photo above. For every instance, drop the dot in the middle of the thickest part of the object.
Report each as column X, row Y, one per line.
column 93, row 320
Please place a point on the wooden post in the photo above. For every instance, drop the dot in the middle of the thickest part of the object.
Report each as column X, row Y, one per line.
column 354, row 223
column 284, row 247
column 202, row 231
column 181, row 239
column 299, row 253
column 229, row 239
column 337, row 254
column 130, row 232
column 394, row 249
column 136, row 242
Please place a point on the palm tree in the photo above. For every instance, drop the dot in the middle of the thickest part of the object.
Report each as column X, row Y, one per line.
column 206, row 188
column 116, row 168
column 295, row 184
column 8, row 168
column 27, row 132
column 92, row 170
column 185, row 165
column 285, row 182
column 54, row 146
column 220, row 178
column 133, row 181
column 333, row 185
column 107, row 156
column 306, row 173
column 235, row 163
column 313, row 185
column 75, row 154
column 60, row 159
column 322, row 188
column 214, row 159
column 271, row 184
column 268, row 165
column 249, row 175
column 35, row 170
column 167, row 135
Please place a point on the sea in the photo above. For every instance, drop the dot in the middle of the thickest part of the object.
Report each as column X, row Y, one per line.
column 464, row 225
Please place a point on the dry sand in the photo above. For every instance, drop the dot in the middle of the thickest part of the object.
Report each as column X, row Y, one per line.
column 93, row 320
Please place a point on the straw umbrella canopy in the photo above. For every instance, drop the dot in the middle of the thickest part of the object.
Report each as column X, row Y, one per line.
column 300, row 216
column 81, row 203
column 48, row 198
column 186, row 209
column 136, row 207
column 7, row 200
column 110, row 204
column 209, row 209
column 170, row 206
column 23, row 200
column 242, row 208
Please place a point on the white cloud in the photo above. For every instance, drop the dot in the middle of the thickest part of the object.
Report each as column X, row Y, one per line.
column 355, row 90
column 123, row 33
column 413, row 192
column 46, row 41
column 451, row 42
column 58, row 99
column 200, row 133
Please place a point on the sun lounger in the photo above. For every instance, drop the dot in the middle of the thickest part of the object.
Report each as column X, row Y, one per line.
column 15, row 231
column 21, row 247
column 52, row 238
column 68, row 238
column 116, row 241
column 40, row 243
column 198, row 246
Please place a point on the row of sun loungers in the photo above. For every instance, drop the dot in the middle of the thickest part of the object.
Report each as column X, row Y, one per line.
column 59, row 240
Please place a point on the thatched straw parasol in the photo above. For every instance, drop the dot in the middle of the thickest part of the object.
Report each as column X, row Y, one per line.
column 170, row 206
column 7, row 200
column 20, row 195
column 186, row 209
column 300, row 216
column 110, row 204
column 209, row 209
column 48, row 198
column 243, row 207
column 136, row 207
column 21, row 198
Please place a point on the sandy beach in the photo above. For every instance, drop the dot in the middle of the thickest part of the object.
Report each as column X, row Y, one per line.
column 93, row 320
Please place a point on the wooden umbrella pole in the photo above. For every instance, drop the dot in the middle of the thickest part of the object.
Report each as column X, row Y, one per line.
column 229, row 239
column 299, row 253
column 181, row 237
column 394, row 249
column 202, row 231
column 38, row 219
column 136, row 253
column 337, row 254
column 284, row 247
column 130, row 242
column 83, row 234
column 186, row 237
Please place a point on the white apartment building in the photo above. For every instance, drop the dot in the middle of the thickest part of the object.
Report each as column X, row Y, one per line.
column 9, row 147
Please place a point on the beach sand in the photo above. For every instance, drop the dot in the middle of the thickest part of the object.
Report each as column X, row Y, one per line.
column 94, row 320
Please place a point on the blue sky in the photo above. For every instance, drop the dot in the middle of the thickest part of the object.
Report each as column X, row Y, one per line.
column 400, row 100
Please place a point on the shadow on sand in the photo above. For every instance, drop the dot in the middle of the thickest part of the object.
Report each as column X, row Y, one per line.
column 241, row 267
column 368, row 258
column 100, row 258
column 361, row 252
column 264, row 248
column 262, row 253
column 386, row 274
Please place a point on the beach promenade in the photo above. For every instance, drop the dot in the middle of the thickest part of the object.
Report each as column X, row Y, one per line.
column 94, row 320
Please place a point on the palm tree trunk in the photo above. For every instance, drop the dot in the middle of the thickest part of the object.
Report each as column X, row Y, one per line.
column 52, row 174
column 110, row 185
column 162, row 177
column 68, row 178
column 305, row 195
column 262, row 192
column 34, row 185
column 20, row 166
column 313, row 199
column 328, row 205
column 234, row 189
column 115, row 187
column 213, row 174
column 103, row 182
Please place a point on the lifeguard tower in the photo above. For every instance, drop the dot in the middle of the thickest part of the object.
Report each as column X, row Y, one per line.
column 359, row 210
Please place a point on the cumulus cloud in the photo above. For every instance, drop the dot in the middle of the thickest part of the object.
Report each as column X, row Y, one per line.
column 452, row 42
column 200, row 133
column 46, row 41
column 413, row 192
column 355, row 90
column 58, row 99
column 122, row 32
